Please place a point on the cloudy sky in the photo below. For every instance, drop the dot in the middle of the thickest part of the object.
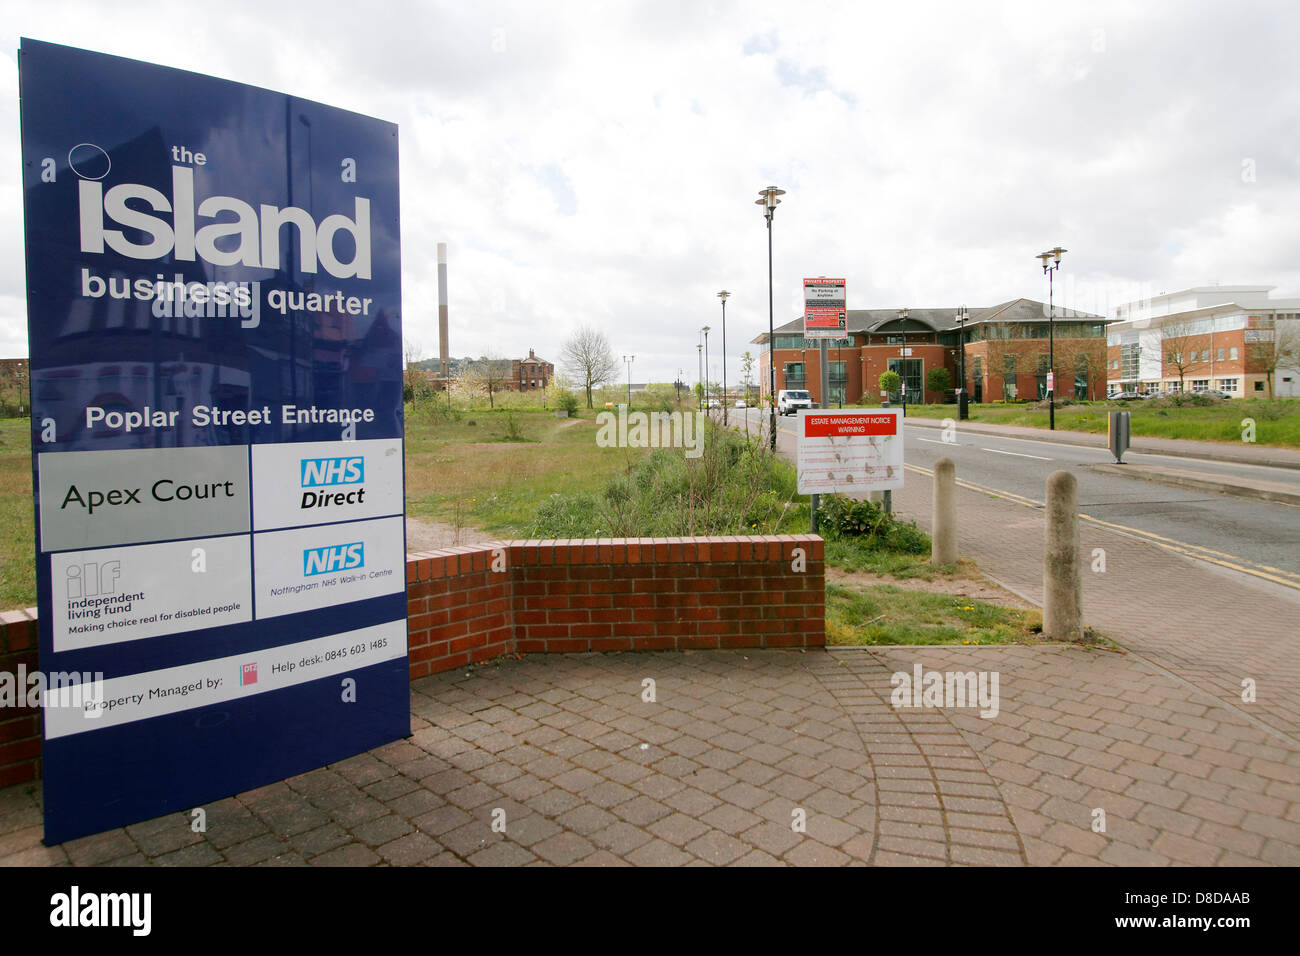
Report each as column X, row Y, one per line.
column 597, row 163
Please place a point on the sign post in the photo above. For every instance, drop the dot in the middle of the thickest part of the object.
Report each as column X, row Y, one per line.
column 214, row 312
column 849, row 451
column 825, row 317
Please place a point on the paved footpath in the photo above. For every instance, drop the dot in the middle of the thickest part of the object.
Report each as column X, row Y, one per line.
column 1212, row 627
column 738, row 748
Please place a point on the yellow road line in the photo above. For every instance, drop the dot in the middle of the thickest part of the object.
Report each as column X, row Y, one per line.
column 1267, row 572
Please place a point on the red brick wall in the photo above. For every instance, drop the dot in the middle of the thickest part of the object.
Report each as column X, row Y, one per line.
column 20, row 728
column 523, row 597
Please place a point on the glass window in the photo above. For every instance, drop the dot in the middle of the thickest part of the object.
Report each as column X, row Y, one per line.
column 1232, row 353
column 1221, row 354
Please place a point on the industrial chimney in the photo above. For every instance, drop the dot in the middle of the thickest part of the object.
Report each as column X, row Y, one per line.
column 444, row 363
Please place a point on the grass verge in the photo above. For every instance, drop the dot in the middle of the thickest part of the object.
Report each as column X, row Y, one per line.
column 17, row 520
column 884, row 614
column 1277, row 422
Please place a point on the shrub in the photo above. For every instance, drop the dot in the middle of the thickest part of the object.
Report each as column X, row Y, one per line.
column 734, row 487
column 842, row 518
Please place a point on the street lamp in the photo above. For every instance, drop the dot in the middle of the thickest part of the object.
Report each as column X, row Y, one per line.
column 705, row 330
column 768, row 199
column 963, row 409
column 724, row 295
column 629, row 359
column 902, row 354
column 699, row 379
column 1051, row 260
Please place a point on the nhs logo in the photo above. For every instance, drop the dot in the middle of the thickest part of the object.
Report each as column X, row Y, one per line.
column 332, row 471
column 338, row 557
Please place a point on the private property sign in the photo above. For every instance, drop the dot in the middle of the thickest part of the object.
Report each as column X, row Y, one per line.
column 214, row 315
column 824, row 315
column 843, row 451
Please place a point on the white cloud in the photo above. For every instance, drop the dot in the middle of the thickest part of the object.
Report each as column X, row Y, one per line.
column 593, row 163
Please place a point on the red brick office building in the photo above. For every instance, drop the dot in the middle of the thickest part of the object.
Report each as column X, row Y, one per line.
column 1006, row 353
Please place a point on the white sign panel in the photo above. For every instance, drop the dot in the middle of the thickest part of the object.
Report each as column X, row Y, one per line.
column 296, row 484
column 844, row 451
column 110, row 595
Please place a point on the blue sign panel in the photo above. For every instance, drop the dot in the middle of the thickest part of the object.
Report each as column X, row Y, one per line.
column 214, row 311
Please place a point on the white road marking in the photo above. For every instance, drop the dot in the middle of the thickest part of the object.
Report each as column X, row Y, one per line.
column 1017, row 454
column 934, row 441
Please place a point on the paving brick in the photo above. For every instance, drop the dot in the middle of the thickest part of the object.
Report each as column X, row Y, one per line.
column 351, row 854
column 678, row 829
column 659, row 853
column 717, row 848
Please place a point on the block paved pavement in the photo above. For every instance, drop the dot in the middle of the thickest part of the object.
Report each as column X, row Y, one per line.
column 737, row 747
column 1208, row 625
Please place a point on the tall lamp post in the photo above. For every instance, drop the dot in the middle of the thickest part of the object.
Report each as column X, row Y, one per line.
column 963, row 410
column 724, row 295
column 1051, row 260
column 629, row 359
column 769, row 200
column 699, row 357
column 902, row 354
column 705, row 330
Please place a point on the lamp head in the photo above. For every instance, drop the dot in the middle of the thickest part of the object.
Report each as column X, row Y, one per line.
column 768, row 198
column 724, row 295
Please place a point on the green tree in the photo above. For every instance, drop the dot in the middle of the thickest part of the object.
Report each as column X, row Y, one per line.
column 890, row 382
column 938, row 379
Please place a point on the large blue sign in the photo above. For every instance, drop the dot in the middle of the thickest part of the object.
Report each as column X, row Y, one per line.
column 214, row 310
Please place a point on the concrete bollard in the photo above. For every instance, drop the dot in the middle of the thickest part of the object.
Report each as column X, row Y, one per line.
column 1062, row 585
column 943, row 533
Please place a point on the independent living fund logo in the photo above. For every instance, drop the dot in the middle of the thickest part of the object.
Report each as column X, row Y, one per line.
column 78, row 909
column 651, row 430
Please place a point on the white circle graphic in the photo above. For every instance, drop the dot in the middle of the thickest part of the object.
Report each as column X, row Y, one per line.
column 89, row 160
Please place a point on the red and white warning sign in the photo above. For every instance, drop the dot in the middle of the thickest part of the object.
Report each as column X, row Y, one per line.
column 824, row 309
column 842, row 451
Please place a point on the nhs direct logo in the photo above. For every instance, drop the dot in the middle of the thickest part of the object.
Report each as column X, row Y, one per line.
column 320, row 472
column 338, row 557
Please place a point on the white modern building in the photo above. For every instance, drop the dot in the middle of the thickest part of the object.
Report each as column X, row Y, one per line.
column 1233, row 339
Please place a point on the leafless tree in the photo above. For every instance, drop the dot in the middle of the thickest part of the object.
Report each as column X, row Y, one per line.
column 1177, row 340
column 1279, row 347
column 1003, row 355
column 488, row 375
column 1084, row 355
column 587, row 356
